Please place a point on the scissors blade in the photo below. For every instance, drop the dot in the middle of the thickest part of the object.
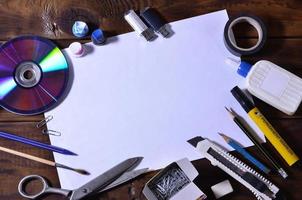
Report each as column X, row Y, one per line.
column 127, row 176
column 105, row 179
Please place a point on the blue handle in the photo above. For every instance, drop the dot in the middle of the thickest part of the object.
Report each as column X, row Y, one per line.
column 248, row 156
column 35, row 143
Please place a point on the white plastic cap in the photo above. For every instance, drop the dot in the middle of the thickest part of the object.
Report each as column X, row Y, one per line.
column 76, row 49
column 221, row 189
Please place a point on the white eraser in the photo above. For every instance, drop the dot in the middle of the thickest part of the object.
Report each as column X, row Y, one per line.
column 222, row 188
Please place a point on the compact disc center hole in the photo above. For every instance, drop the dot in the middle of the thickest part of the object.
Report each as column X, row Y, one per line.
column 28, row 74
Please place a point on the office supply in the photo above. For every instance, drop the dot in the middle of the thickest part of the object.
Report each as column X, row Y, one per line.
column 138, row 25
column 131, row 98
column 154, row 20
column 275, row 86
column 98, row 37
column 34, row 143
column 243, row 67
column 41, row 160
column 84, row 191
column 270, row 133
column 237, row 119
column 51, row 132
column 229, row 37
column 80, row 29
column 34, row 75
column 244, row 153
column 262, row 188
column 127, row 176
column 43, row 122
column 76, row 49
column 221, row 189
column 174, row 182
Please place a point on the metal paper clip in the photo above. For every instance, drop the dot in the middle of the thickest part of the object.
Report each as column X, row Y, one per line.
column 44, row 121
column 51, row 132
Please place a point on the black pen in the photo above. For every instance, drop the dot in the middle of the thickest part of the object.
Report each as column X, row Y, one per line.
column 256, row 143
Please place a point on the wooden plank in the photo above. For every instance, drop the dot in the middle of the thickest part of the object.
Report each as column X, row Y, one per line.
column 54, row 18
column 6, row 116
column 14, row 168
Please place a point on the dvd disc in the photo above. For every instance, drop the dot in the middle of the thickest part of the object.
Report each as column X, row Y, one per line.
column 33, row 75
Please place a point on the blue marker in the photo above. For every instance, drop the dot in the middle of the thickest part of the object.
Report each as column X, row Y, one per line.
column 245, row 154
column 35, row 143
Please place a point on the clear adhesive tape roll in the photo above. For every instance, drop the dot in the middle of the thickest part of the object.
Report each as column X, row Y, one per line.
column 229, row 38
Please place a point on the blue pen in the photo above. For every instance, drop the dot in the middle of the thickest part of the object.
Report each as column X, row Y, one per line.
column 245, row 154
column 35, row 143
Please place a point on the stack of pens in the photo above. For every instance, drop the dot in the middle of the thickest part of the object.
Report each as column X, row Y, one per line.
column 267, row 129
column 255, row 141
column 244, row 153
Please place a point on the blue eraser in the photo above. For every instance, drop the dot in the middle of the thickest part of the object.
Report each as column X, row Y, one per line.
column 98, row 37
column 80, row 29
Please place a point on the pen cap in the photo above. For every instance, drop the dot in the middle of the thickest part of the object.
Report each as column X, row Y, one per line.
column 98, row 37
column 244, row 68
column 153, row 18
column 80, row 29
column 244, row 101
column 135, row 22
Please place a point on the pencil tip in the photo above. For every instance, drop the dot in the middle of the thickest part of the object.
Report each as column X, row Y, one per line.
column 230, row 111
column 227, row 109
column 226, row 138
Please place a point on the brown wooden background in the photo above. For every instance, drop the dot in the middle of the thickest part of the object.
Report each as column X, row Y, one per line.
column 53, row 19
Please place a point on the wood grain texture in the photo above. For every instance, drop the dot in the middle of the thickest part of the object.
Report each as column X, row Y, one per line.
column 14, row 168
column 54, row 18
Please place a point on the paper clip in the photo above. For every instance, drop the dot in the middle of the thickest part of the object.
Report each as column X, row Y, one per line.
column 51, row 132
column 44, row 121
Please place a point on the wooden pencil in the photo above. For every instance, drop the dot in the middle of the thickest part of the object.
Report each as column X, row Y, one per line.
column 245, row 130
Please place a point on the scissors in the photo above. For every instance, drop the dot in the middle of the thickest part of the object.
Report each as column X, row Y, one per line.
column 115, row 176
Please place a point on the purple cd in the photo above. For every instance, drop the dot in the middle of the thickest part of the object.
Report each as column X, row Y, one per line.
column 33, row 75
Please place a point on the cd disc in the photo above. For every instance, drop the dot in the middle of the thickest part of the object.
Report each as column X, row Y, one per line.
column 33, row 75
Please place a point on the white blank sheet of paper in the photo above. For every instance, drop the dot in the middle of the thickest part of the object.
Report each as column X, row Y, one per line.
column 136, row 98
